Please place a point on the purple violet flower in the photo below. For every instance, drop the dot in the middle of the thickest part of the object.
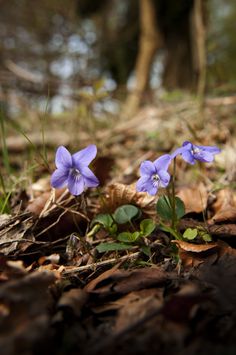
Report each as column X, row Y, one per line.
column 154, row 175
column 73, row 170
column 191, row 152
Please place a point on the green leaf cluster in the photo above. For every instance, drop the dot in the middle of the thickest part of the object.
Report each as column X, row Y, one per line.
column 123, row 215
column 147, row 226
column 193, row 233
column 127, row 239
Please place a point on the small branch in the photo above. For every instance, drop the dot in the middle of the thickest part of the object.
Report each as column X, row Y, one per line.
column 33, row 241
column 130, row 257
column 200, row 38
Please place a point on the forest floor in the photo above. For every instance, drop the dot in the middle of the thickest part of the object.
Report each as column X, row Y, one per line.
column 61, row 294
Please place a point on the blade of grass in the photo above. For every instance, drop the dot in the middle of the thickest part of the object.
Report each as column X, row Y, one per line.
column 5, row 196
column 17, row 127
column 43, row 121
column 4, row 203
column 2, row 184
column 5, row 154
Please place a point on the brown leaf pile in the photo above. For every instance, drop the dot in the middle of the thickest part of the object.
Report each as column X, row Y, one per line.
column 24, row 316
column 118, row 194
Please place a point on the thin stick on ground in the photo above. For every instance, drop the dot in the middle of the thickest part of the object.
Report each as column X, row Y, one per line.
column 129, row 257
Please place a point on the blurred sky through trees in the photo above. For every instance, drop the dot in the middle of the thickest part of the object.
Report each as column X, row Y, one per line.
column 55, row 48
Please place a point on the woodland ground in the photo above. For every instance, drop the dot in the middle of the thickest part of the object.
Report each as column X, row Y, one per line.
column 59, row 295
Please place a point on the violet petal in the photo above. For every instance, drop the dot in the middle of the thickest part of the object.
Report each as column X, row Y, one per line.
column 141, row 183
column 212, row 150
column 204, row 156
column 59, row 178
column 75, row 184
column 63, row 158
column 90, row 179
column 187, row 146
column 163, row 162
column 164, row 178
column 84, row 156
column 151, row 189
column 147, row 168
column 188, row 157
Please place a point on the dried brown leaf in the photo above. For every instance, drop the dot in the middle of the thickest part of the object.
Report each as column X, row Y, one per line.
column 129, row 299
column 221, row 276
column 92, row 285
column 14, row 232
column 226, row 160
column 188, row 261
column 123, row 281
column 47, row 200
column 119, row 194
column 225, row 197
column 52, row 259
column 226, row 249
column 227, row 215
column 24, row 319
column 224, row 208
column 182, row 306
column 136, row 306
column 74, row 300
column 192, row 260
column 194, row 198
column 140, row 278
column 56, row 212
column 11, row 269
column 194, row 248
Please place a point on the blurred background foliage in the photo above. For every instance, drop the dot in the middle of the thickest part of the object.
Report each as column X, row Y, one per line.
column 222, row 44
column 62, row 52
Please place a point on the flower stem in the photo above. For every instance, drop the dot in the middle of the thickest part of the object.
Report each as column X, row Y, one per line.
column 173, row 206
column 102, row 198
column 132, row 226
column 83, row 203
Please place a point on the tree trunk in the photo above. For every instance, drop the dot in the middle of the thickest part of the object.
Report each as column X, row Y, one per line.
column 176, row 28
column 199, row 46
column 179, row 28
column 150, row 40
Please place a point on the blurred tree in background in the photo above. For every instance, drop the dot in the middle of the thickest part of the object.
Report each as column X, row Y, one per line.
column 222, row 44
column 55, row 49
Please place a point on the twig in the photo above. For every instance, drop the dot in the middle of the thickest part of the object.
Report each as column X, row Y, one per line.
column 102, row 263
column 20, row 240
column 34, row 241
column 70, row 209
column 51, row 225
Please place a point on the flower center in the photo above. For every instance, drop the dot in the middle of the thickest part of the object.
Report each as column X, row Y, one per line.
column 195, row 151
column 155, row 180
column 75, row 173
